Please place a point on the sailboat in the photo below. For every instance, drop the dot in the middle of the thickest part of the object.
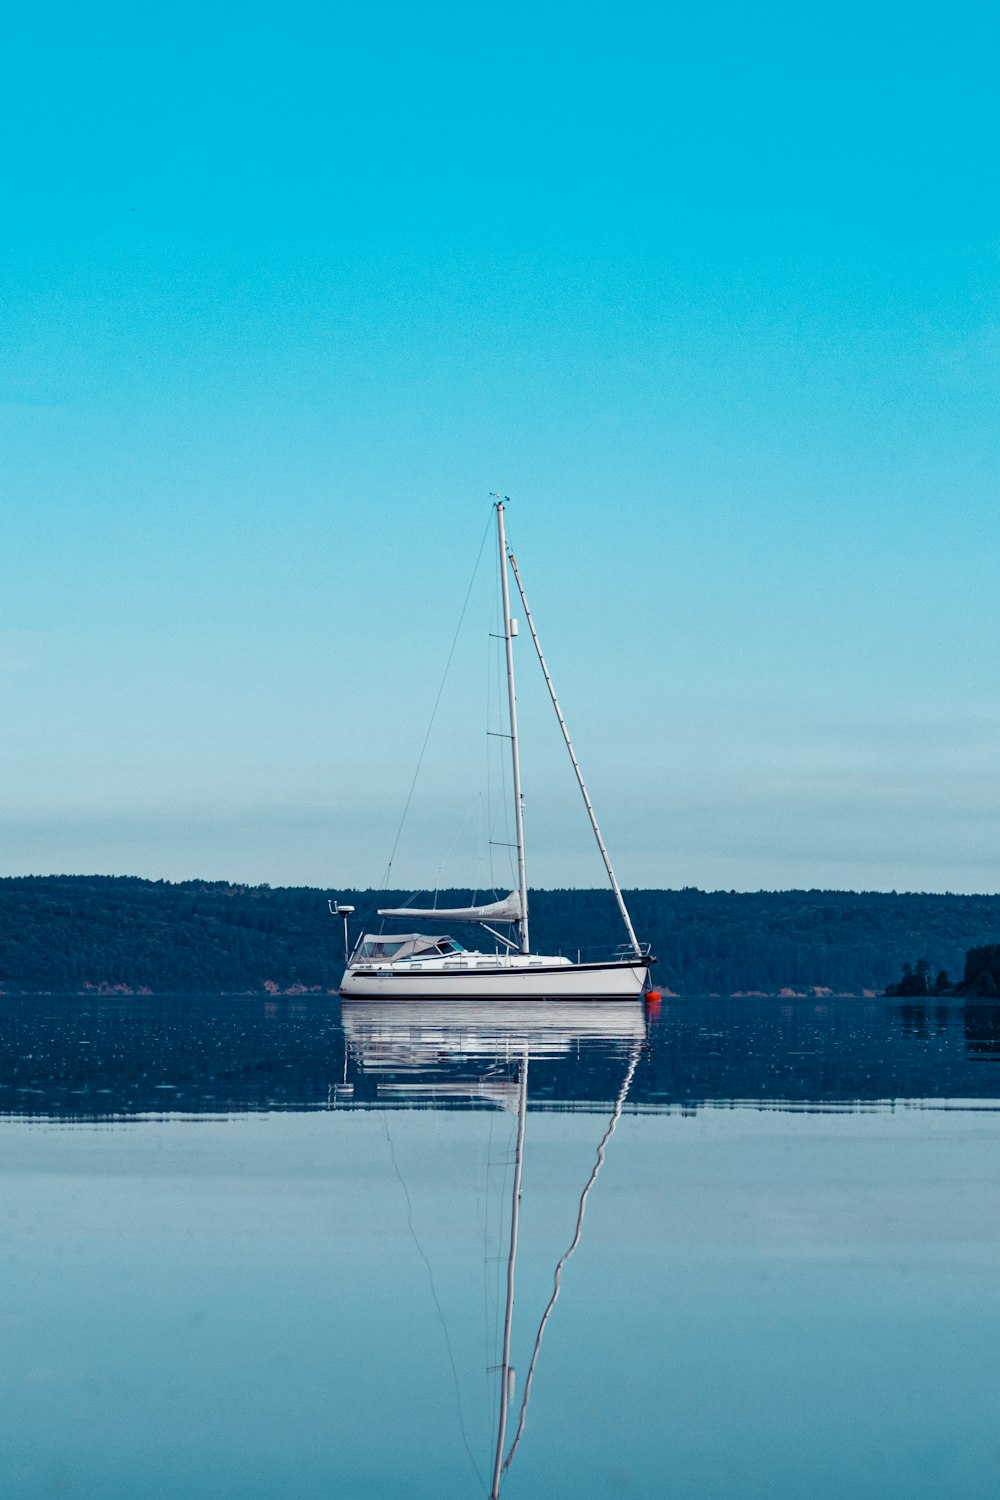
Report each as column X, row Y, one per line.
column 412, row 965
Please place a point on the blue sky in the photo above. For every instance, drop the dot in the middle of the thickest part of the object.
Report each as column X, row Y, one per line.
column 287, row 290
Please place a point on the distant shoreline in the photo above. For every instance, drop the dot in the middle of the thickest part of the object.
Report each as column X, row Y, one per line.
column 122, row 934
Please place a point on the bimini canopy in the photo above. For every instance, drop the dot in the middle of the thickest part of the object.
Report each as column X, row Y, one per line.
column 506, row 910
column 378, row 947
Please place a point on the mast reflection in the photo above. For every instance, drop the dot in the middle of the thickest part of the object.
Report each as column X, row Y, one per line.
column 447, row 1051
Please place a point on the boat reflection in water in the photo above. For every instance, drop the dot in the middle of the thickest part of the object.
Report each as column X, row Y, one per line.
column 492, row 1047
column 427, row 1049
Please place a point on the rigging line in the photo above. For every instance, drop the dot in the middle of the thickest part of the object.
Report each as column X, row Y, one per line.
column 576, row 764
column 437, row 700
column 437, row 1304
column 460, row 834
column 557, row 1280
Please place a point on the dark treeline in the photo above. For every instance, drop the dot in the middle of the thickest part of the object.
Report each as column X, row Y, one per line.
column 980, row 977
column 71, row 933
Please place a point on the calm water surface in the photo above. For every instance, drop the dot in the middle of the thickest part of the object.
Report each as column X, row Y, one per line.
column 260, row 1249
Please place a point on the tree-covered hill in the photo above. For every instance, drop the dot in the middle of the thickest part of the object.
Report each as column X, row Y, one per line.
column 74, row 932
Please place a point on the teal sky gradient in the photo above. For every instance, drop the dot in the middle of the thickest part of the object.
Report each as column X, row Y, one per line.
column 287, row 290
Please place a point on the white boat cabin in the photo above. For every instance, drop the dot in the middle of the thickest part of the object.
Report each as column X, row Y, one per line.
column 410, row 951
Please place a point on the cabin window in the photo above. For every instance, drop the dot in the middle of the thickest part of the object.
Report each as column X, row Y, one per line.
column 372, row 950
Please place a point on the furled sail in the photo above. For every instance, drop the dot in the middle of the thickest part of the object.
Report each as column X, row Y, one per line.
column 506, row 910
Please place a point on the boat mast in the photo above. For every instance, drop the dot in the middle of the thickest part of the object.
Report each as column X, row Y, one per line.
column 576, row 764
column 506, row 1373
column 522, row 878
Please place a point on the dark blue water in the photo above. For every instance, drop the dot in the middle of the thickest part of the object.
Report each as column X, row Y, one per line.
column 259, row 1249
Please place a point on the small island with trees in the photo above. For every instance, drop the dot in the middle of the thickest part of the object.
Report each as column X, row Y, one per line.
column 981, row 979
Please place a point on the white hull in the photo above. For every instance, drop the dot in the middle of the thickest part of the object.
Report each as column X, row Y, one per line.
column 623, row 980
